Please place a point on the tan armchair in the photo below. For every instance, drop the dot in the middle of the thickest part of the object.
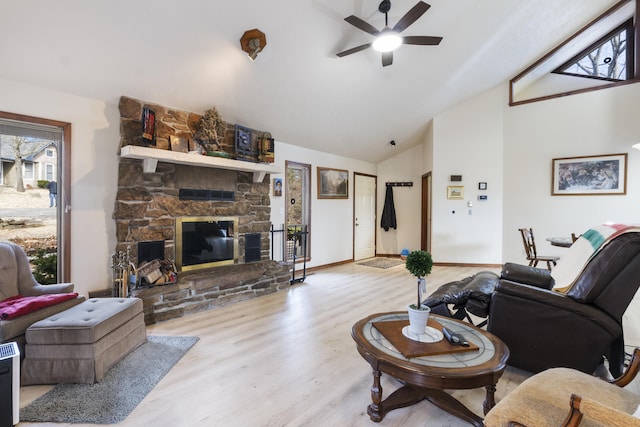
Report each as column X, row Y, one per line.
column 567, row 397
column 16, row 279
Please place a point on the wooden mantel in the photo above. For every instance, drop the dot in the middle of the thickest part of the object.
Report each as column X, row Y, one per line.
column 151, row 156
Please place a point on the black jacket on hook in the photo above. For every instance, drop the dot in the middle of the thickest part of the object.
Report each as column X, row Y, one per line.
column 389, row 211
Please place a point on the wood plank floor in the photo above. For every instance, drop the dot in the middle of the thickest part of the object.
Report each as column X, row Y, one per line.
column 287, row 359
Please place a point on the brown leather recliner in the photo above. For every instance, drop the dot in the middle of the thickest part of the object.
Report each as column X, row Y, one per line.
column 545, row 328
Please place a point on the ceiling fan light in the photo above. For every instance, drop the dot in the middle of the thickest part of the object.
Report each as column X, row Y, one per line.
column 387, row 41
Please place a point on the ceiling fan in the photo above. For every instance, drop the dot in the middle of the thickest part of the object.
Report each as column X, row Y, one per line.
column 389, row 39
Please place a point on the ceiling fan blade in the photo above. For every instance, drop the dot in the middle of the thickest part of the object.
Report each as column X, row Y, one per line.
column 387, row 58
column 410, row 17
column 422, row 40
column 363, row 25
column 353, row 50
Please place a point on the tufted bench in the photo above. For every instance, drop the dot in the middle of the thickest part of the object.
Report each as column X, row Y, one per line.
column 80, row 344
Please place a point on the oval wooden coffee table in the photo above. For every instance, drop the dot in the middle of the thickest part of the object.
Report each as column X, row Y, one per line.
column 426, row 377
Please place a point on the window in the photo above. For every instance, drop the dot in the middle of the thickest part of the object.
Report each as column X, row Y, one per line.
column 600, row 55
column 49, row 152
column 610, row 58
column 298, row 213
column 49, row 172
column 24, row 140
column 27, row 173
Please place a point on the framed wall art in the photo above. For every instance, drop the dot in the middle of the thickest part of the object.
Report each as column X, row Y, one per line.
column 179, row 144
column 589, row 175
column 455, row 192
column 277, row 187
column 333, row 183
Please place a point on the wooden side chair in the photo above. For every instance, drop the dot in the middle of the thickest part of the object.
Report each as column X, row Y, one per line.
column 531, row 252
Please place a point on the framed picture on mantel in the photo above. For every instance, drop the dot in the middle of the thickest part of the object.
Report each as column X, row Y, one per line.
column 148, row 124
column 589, row 175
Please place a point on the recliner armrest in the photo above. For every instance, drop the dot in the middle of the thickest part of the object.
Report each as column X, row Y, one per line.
column 528, row 275
column 58, row 288
column 521, row 295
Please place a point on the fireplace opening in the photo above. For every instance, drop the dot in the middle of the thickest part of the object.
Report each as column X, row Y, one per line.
column 150, row 251
column 206, row 241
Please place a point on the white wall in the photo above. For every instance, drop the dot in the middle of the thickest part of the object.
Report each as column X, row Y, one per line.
column 404, row 166
column 468, row 141
column 331, row 231
column 482, row 139
column 95, row 135
column 600, row 122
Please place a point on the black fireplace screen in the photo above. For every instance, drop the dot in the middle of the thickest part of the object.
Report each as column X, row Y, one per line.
column 203, row 242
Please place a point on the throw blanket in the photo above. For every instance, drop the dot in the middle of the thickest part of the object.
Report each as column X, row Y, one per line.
column 18, row 305
column 580, row 253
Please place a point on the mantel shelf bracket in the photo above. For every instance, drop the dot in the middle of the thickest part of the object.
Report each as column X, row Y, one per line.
column 149, row 165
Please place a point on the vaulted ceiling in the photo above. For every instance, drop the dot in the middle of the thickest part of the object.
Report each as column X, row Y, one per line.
column 186, row 54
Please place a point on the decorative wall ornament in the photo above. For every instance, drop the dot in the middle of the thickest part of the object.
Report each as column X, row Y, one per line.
column 244, row 146
column 267, row 150
column 211, row 129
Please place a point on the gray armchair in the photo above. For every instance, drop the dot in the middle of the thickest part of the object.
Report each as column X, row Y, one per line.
column 16, row 279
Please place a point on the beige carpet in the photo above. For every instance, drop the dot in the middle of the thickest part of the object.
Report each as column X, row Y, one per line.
column 382, row 262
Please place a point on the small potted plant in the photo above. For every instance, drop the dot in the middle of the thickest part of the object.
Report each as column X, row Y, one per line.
column 419, row 264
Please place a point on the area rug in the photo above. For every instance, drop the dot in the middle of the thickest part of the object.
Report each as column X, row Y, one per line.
column 122, row 389
column 382, row 262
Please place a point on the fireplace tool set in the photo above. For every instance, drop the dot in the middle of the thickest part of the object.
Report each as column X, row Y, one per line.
column 125, row 273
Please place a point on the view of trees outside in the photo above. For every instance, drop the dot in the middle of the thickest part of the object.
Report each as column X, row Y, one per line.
column 606, row 61
column 26, row 215
column 297, row 187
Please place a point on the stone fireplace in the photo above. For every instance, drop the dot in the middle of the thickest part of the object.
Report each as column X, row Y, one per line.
column 152, row 204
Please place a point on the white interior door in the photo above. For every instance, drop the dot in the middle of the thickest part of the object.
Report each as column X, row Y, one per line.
column 364, row 221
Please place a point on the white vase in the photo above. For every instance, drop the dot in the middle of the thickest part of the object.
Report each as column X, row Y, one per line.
column 418, row 319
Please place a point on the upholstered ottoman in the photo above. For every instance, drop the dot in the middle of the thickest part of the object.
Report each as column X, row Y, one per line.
column 80, row 344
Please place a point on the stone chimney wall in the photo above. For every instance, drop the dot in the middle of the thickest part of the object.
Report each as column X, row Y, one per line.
column 147, row 204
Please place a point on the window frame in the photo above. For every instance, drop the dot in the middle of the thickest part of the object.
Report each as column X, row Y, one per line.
column 628, row 27
column 306, row 206
column 608, row 13
column 64, row 189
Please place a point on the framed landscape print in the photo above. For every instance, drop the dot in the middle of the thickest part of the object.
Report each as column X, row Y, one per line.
column 589, row 175
column 455, row 192
column 333, row 183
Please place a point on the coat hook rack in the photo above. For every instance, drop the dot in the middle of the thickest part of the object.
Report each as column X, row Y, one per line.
column 400, row 184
